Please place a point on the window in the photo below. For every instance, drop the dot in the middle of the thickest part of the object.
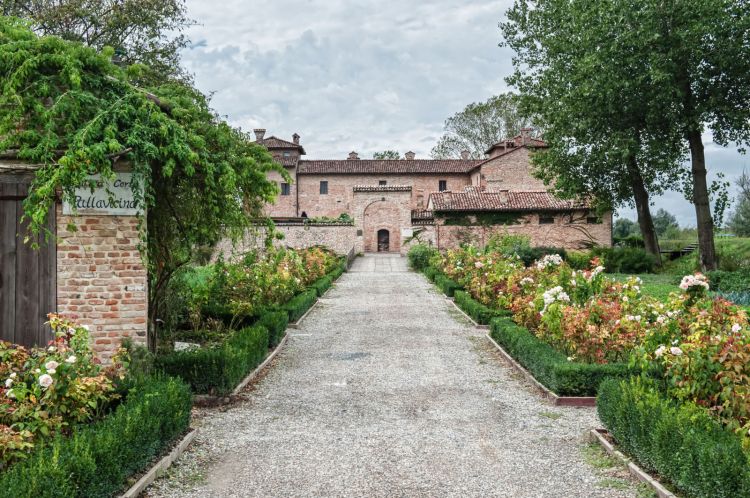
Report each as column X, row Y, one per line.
column 382, row 183
column 287, row 153
column 324, row 187
column 593, row 220
column 546, row 220
column 442, row 185
column 285, row 189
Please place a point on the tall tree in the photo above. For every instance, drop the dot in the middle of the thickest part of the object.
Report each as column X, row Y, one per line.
column 685, row 61
column 598, row 135
column 387, row 154
column 480, row 125
column 624, row 227
column 147, row 32
column 70, row 110
column 739, row 220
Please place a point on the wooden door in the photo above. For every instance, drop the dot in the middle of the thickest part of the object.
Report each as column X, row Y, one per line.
column 28, row 277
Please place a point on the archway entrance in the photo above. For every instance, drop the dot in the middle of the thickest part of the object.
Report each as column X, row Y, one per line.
column 383, row 240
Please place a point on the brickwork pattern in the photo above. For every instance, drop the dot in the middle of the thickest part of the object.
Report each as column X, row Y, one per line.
column 101, row 279
column 338, row 238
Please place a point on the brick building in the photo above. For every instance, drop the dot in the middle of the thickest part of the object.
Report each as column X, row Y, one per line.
column 442, row 201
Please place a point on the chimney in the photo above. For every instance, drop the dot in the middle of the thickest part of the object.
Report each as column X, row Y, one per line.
column 464, row 154
column 503, row 196
column 525, row 135
column 295, row 138
column 353, row 156
column 409, row 156
column 259, row 132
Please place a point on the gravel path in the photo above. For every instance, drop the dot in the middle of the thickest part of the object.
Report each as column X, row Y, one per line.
column 385, row 390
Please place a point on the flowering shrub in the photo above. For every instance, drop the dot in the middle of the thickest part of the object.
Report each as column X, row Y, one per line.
column 47, row 390
column 699, row 346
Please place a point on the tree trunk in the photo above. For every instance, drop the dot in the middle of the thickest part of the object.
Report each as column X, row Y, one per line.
column 707, row 250
column 640, row 195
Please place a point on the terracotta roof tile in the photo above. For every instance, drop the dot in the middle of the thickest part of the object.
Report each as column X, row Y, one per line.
column 502, row 201
column 384, row 166
column 278, row 143
column 286, row 161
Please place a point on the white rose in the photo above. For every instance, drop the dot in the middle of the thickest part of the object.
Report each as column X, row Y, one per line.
column 736, row 327
column 70, row 359
column 51, row 365
column 10, row 394
column 45, row 381
column 675, row 351
column 660, row 351
column 8, row 382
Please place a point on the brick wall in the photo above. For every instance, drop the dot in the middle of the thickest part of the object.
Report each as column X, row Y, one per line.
column 101, row 279
column 562, row 233
column 340, row 196
column 285, row 205
column 512, row 171
column 374, row 211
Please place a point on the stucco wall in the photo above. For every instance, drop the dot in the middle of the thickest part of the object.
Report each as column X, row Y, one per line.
column 101, row 279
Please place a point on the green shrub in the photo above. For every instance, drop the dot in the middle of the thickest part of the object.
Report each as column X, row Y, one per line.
column 446, row 285
column 579, row 260
column 299, row 304
column 549, row 366
column 430, row 272
column 729, row 281
column 275, row 322
column 322, row 285
column 96, row 460
column 217, row 370
column 477, row 311
column 680, row 442
column 626, row 259
column 419, row 256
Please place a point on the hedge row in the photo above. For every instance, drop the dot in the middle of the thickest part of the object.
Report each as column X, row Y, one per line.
column 680, row 442
column 275, row 322
column 299, row 304
column 96, row 460
column 217, row 370
column 549, row 366
column 478, row 312
column 446, row 285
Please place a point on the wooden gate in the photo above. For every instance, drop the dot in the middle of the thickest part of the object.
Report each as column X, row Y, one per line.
column 28, row 277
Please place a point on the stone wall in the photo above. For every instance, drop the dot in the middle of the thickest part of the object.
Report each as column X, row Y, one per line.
column 338, row 238
column 575, row 234
column 101, row 279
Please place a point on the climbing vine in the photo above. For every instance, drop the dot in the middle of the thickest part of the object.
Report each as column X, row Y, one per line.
column 69, row 109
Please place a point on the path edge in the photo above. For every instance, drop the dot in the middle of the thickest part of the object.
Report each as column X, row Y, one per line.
column 577, row 401
column 160, row 467
column 640, row 474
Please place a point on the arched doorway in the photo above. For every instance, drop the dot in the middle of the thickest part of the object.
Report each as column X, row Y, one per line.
column 383, row 240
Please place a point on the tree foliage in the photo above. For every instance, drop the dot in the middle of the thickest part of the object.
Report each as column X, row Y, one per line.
column 387, row 154
column 673, row 66
column 70, row 110
column 623, row 227
column 664, row 222
column 146, row 32
column 739, row 220
column 479, row 126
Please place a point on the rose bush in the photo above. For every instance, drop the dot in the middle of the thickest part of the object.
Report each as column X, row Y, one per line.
column 46, row 391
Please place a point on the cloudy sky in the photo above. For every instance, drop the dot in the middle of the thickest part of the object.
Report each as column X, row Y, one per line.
column 362, row 75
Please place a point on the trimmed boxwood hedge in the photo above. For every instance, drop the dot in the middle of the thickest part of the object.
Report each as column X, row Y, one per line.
column 96, row 460
column 431, row 272
column 275, row 322
column 299, row 304
column 446, row 285
column 680, row 442
column 549, row 366
column 479, row 312
column 322, row 284
column 217, row 370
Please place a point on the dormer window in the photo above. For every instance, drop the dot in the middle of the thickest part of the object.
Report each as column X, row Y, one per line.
column 442, row 185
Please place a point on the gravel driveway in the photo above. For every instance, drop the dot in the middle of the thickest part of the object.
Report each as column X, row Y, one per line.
column 385, row 390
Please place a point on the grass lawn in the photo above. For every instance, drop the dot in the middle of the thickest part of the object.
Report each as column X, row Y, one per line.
column 657, row 285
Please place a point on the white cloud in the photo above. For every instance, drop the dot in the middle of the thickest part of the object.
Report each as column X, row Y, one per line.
column 361, row 75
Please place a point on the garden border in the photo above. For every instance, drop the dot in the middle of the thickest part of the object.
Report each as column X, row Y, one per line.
column 209, row 399
column 159, row 467
column 640, row 474
column 476, row 325
column 576, row 401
